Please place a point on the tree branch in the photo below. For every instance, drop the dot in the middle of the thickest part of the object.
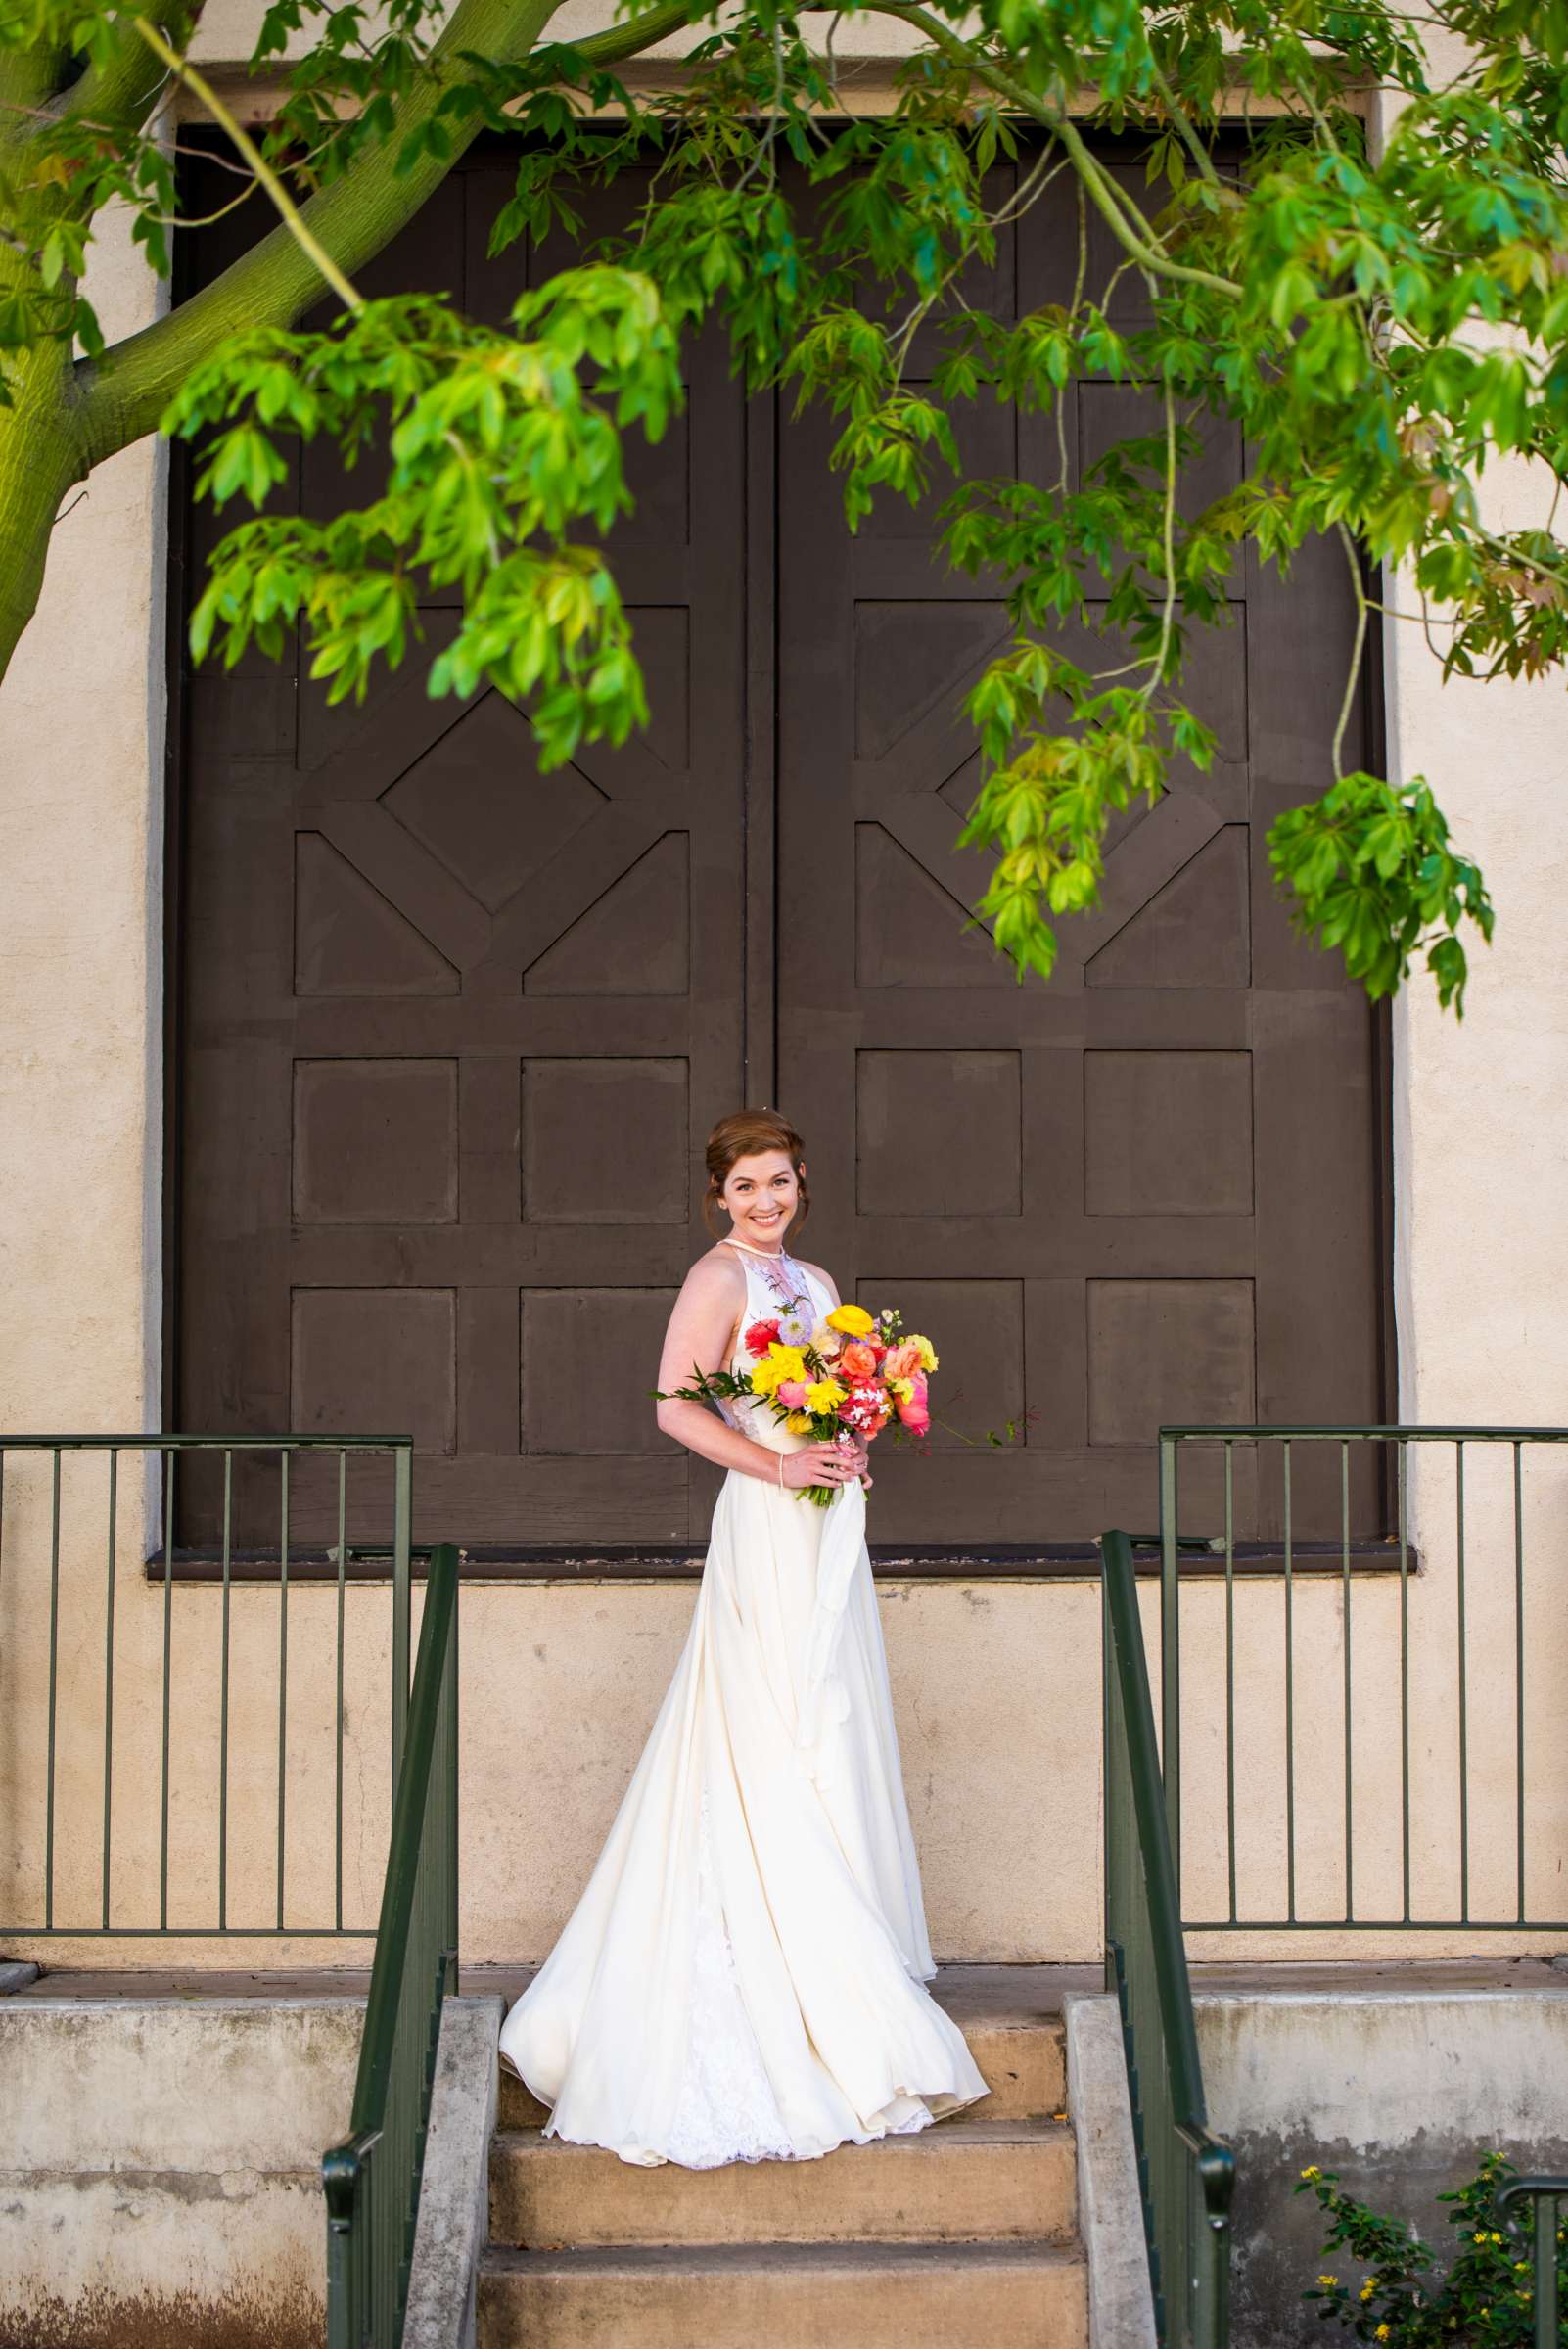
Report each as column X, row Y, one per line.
column 122, row 395
column 635, row 35
column 28, row 79
column 1181, row 123
column 1056, row 120
column 348, row 295
column 119, row 90
column 1354, row 674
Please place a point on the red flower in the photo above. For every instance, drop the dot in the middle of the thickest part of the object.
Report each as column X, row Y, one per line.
column 762, row 1335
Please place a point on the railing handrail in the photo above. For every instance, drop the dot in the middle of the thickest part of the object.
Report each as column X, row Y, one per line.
column 1489, row 1431
column 402, row 1852
column 144, row 1440
column 1173, row 1979
column 1187, row 2175
column 394, row 2072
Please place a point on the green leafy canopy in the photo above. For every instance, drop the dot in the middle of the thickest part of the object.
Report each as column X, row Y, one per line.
column 1374, row 323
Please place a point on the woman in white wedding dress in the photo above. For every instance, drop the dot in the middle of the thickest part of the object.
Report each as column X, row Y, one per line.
column 742, row 1977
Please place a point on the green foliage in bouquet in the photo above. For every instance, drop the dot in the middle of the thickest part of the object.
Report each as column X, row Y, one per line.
column 1407, row 2300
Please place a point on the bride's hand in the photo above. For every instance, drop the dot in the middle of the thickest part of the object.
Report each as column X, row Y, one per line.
column 820, row 1464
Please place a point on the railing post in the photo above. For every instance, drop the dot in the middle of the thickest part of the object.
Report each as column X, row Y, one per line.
column 1171, row 1657
column 403, row 1543
column 371, row 2227
column 1187, row 2175
column 1108, row 1788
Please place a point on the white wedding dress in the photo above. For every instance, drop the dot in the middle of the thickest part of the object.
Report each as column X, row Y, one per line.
column 741, row 1979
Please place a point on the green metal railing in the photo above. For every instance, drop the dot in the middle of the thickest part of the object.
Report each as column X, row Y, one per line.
column 372, row 2181
column 1187, row 2176
column 242, row 1510
column 1444, row 1515
column 1543, row 2196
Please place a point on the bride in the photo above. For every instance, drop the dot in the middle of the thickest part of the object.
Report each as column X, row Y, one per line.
column 741, row 1979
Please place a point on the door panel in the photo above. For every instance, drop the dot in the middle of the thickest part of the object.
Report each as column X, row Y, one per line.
column 453, row 1032
column 1147, row 1191
column 456, row 1028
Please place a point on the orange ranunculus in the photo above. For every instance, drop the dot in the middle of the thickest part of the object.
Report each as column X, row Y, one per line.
column 857, row 1359
column 902, row 1361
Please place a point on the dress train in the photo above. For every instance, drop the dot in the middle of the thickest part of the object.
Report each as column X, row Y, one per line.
column 742, row 1978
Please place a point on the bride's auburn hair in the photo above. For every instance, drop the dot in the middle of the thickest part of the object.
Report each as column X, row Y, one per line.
column 747, row 1134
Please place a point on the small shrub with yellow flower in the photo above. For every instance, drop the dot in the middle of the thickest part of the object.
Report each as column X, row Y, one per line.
column 1405, row 2298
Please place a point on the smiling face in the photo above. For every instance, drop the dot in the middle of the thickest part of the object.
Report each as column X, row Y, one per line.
column 762, row 1195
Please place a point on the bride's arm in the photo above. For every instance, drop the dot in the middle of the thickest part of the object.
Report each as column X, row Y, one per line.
column 699, row 1331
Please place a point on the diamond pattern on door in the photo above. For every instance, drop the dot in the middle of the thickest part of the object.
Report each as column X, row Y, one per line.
column 1179, row 1172
column 453, row 1030
column 458, row 1042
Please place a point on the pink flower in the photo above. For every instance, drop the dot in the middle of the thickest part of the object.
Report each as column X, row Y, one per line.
column 915, row 1414
column 792, row 1393
column 760, row 1336
column 858, row 1359
column 902, row 1361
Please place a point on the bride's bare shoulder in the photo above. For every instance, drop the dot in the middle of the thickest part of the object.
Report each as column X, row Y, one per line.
column 717, row 1273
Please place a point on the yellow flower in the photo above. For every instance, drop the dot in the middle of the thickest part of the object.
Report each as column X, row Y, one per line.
column 927, row 1351
column 778, row 1363
column 904, row 1388
column 1496, row 2238
column 1368, row 2288
column 799, row 1423
column 853, row 1320
column 824, row 1395
column 1312, row 2170
column 1381, row 2335
column 1329, row 2281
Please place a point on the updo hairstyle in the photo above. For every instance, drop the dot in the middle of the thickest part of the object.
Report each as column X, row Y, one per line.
column 747, row 1134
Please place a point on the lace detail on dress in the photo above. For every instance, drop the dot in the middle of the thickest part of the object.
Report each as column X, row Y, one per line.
column 726, row 2109
column 782, row 1291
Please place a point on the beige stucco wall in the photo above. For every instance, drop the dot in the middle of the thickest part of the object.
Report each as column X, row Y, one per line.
column 159, row 2163
column 997, row 1685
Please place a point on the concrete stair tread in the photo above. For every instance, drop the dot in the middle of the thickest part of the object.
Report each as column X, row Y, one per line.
column 1030, row 2295
column 681, row 2259
column 1015, row 2033
column 970, row 2127
column 962, row 2180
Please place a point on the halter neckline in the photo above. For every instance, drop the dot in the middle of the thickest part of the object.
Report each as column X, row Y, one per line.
column 774, row 1256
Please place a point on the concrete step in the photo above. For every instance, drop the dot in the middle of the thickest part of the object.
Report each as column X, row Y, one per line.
column 958, row 2180
column 1028, row 2295
column 1020, row 2049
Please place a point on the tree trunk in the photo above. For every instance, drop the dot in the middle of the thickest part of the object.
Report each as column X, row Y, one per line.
column 39, row 460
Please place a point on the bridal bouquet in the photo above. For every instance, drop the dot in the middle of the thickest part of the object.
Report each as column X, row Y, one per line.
column 849, row 1375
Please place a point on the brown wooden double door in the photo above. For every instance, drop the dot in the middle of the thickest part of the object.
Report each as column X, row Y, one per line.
column 452, row 1033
